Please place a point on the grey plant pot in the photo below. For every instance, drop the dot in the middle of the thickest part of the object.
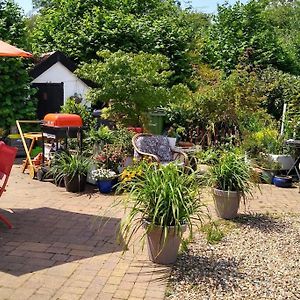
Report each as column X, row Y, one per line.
column 161, row 252
column 226, row 203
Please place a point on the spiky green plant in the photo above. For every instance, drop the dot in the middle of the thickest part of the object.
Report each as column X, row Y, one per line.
column 231, row 173
column 161, row 196
column 66, row 164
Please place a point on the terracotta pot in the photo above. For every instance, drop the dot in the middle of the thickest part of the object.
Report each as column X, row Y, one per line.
column 226, row 203
column 160, row 251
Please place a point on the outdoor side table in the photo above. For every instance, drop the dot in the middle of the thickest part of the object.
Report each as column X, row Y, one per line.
column 34, row 137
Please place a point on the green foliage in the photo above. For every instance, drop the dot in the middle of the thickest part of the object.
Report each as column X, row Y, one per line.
column 219, row 101
column 72, row 107
column 131, row 83
column 161, row 196
column 122, row 137
column 266, row 140
column 240, row 32
column 119, row 138
column 230, row 173
column 15, row 91
column 278, row 88
column 80, row 28
column 256, row 121
column 66, row 164
column 265, row 161
column 41, row 3
column 284, row 17
column 213, row 233
column 209, row 156
column 103, row 135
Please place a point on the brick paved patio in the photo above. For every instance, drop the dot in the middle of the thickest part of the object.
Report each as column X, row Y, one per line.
column 56, row 249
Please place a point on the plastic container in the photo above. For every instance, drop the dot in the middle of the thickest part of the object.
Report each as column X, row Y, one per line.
column 156, row 121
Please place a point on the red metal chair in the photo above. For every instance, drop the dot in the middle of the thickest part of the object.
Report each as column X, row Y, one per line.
column 7, row 157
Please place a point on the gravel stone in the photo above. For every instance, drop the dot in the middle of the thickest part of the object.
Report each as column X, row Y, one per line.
column 258, row 259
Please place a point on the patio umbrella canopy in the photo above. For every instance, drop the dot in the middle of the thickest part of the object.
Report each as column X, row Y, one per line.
column 8, row 50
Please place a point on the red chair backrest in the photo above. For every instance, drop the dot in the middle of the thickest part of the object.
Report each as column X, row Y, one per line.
column 7, row 158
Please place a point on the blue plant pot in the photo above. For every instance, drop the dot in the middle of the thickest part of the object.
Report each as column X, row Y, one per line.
column 283, row 181
column 106, row 186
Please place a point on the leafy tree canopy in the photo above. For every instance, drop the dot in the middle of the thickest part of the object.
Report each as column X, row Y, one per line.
column 284, row 17
column 80, row 28
column 243, row 29
column 131, row 83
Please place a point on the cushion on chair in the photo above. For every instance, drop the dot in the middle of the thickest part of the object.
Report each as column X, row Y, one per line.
column 157, row 145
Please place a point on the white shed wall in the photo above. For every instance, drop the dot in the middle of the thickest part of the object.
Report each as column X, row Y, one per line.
column 72, row 84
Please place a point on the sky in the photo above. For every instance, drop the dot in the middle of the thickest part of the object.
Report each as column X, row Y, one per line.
column 208, row 6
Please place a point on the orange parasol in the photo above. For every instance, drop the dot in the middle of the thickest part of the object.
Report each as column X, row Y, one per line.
column 9, row 50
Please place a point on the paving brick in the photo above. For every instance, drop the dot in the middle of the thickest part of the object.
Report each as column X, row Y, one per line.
column 122, row 294
column 6, row 292
column 60, row 257
column 22, row 293
column 105, row 296
column 138, row 292
column 110, row 288
column 58, row 250
column 114, row 280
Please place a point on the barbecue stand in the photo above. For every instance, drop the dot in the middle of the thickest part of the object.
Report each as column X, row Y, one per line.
column 59, row 127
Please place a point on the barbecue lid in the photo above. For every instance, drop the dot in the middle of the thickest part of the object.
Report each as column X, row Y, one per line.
column 62, row 120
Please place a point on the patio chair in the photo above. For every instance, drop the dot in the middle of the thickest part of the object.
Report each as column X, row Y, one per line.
column 157, row 148
column 7, row 157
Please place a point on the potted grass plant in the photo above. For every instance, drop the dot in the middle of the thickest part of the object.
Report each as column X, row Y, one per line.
column 231, row 179
column 164, row 200
column 72, row 169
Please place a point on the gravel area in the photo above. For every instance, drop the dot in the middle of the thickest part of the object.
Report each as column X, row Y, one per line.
column 258, row 259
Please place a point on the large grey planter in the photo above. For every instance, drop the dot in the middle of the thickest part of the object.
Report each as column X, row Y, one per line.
column 226, row 203
column 286, row 161
column 163, row 252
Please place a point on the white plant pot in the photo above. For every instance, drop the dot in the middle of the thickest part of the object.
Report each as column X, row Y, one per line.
column 89, row 175
column 172, row 142
column 286, row 161
column 127, row 162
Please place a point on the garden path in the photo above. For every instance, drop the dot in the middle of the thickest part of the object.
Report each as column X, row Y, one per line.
column 56, row 249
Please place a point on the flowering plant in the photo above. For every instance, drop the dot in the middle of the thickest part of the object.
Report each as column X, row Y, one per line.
column 131, row 172
column 110, row 157
column 102, row 174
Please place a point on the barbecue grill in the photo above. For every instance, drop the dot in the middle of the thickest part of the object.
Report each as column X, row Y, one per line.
column 62, row 126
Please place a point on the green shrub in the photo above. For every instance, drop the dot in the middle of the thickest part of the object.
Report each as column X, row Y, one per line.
column 72, row 107
column 266, row 141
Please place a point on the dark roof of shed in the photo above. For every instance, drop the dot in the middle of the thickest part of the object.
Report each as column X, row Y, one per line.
column 47, row 60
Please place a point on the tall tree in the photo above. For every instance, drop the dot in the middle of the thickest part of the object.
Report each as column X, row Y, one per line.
column 14, row 80
column 284, row 17
column 241, row 31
